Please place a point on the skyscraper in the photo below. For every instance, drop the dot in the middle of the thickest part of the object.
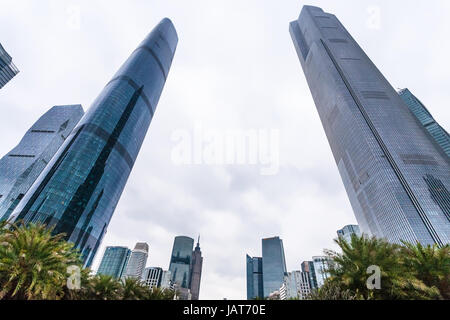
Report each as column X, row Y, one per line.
column 22, row 165
column 296, row 285
column 196, row 271
column 440, row 136
column 80, row 188
column 347, row 231
column 137, row 261
column 273, row 264
column 321, row 266
column 255, row 288
column 7, row 68
column 114, row 261
column 152, row 277
column 383, row 154
column 180, row 261
column 308, row 268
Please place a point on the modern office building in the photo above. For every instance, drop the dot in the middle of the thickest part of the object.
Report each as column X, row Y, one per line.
column 196, row 271
column 78, row 191
column 152, row 277
column 7, row 68
column 308, row 268
column 166, row 280
column 295, row 286
column 255, row 288
column 137, row 261
column 321, row 266
column 20, row 168
column 438, row 133
column 348, row 231
column 114, row 261
column 384, row 155
column 180, row 261
column 273, row 264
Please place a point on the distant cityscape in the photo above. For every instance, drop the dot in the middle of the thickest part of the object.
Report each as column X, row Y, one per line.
column 71, row 167
column 183, row 275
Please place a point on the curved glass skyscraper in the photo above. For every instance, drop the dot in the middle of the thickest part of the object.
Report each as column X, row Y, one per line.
column 180, row 261
column 392, row 170
column 7, row 68
column 79, row 190
column 20, row 167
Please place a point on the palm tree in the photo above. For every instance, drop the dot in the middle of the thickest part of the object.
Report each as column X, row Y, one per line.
column 349, row 271
column 134, row 289
column 430, row 264
column 33, row 262
column 100, row 287
column 160, row 294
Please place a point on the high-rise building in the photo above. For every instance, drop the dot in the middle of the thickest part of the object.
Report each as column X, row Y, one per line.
column 20, row 168
column 152, row 277
column 295, row 286
column 196, row 271
column 78, row 191
column 384, row 155
column 348, row 231
column 180, row 261
column 166, row 280
column 255, row 288
column 308, row 268
column 440, row 136
column 321, row 266
column 114, row 261
column 273, row 264
column 7, row 68
column 137, row 261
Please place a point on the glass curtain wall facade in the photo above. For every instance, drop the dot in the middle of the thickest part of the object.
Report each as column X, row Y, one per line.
column 180, row 261
column 347, row 232
column 383, row 154
column 273, row 264
column 78, row 191
column 20, row 168
column 7, row 68
column 255, row 288
column 137, row 261
column 440, row 136
column 114, row 261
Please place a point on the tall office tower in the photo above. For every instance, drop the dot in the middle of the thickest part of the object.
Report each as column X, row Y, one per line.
column 20, row 168
column 273, row 264
column 152, row 277
column 321, row 266
column 137, row 261
column 308, row 268
column 80, row 188
column 196, row 271
column 255, row 288
column 114, row 261
column 383, row 154
column 7, row 68
column 347, row 231
column 296, row 285
column 440, row 136
column 166, row 280
column 180, row 261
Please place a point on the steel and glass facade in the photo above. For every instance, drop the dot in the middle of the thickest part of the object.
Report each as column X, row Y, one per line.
column 180, row 261
column 348, row 231
column 114, row 261
column 255, row 288
column 137, row 261
column 273, row 264
column 7, row 68
column 152, row 277
column 20, row 167
column 383, row 154
column 78, row 191
column 440, row 136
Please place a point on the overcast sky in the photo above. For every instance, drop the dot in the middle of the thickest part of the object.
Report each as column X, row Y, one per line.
column 235, row 68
